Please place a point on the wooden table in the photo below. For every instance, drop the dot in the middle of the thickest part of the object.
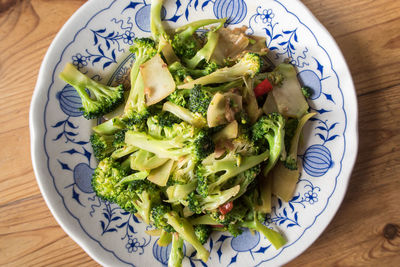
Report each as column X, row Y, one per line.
column 365, row 231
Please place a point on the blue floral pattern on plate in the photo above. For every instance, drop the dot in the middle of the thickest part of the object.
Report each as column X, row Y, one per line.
column 106, row 53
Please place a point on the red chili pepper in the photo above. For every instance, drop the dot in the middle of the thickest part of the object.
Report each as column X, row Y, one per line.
column 225, row 208
column 218, row 226
column 262, row 88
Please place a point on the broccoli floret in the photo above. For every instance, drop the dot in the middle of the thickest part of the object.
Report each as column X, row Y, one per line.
column 135, row 109
column 254, row 221
column 203, row 145
column 212, row 173
column 224, row 87
column 178, row 192
column 183, row 74
column 199, row 204
column 205, row 53
column 102, row 145
column 199, row 144
column 158, row 217
column 168, row 126
column 184, row 42
column 199, row 100
column 100, row 100
column 168, row 220
column 243, row 144
column 233, row 219
column 109, row 127
column 290, row 130
column 165, row 239
column 186, row 231
column 180, row 98
column 119, row 139
column 180, row 73
column 159, row 34
column 176, row 255
column 307, row 91
column 244, row 179
column 202, row 232
column 248, row 65
column 194, row 118
column 291, row 158
column 122, row 149
column 132, row 192
column 106, row 177
column 268, row 132
column 141, row 195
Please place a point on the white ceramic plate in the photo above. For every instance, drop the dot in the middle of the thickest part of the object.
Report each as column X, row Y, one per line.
column 96, row 40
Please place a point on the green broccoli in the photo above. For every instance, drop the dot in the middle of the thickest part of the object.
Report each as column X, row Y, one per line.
column 199, row 100
column 254, row 221
column 159, row 34
column 307, row 91
column 183, row 74
column 178, row 192
column 185, row 230
column 122, row 149
column 202, row 232
column 184, row 42
column 212, row 173
column 248, row 65
column 135, row 108
column 198, row 204
column 176, row 255
column 97, row 99
column 199, row 145
column 106, row 177
column 205, row 53
column 269, row 133
column 290, row 130
column 170, row 221
column 291, row 158
column 158, row 217
column 233, row 219
column 102, row 145
column 141, row 195
column 167, row 125
column 180, row 98
column 110, row 127
column 194, row 118
column 244, row 179
column 184, row 171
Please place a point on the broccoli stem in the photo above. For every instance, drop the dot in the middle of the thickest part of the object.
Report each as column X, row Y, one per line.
column 109, row 127
column 232, row 169
column 191, row 28
column 204, row 219
column 156, row 27
column 176, row 254
column 274, row 237
column 186, row 231
column 224, row 87
column 197, row 120
column 172, row 149
column 248, row 65
column 291, row 159
column 165, row 238
column 205, row 52
column 102, row 99
column 123, row 151
column 133, row 177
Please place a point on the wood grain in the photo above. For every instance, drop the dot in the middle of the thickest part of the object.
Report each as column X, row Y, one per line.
column 365, row 231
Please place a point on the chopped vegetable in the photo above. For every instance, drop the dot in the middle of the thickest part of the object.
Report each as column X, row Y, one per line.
column 263, row 88
column 190, row 150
